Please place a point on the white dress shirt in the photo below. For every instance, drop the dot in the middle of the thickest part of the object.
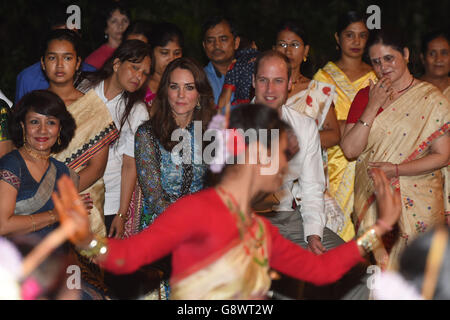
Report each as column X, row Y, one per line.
column 124, row 145
column 305, row 180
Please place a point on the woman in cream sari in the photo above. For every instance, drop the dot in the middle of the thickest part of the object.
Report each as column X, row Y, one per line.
column 349, row 74
column 87, row 153
column 399, row 125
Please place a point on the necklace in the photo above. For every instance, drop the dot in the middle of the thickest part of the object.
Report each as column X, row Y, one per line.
column 253, row 236
column 234, row 203
column 35, row 154
column 407, row 86
column 296, row 81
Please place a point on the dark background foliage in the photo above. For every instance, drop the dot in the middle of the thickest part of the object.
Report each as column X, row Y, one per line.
column 24, row 22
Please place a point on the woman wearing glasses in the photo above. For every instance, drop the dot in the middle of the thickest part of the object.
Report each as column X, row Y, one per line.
column 401, row 126
column 312, row 98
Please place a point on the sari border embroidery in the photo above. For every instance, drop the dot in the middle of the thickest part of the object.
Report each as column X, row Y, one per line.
column 89, row 149
column 42, row 195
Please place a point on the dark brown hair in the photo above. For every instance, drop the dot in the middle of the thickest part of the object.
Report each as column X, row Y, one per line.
column 162, row 121
column 46, row 103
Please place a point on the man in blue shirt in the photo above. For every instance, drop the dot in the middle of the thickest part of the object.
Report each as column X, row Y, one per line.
column 220, row 42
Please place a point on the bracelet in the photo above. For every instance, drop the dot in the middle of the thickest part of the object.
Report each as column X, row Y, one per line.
column 384, row 225
column 368, row 241
column 364, row 123
column 396, row 170
column 122, row 216
column 33, row 223
column 98, row 246
column 52, row 216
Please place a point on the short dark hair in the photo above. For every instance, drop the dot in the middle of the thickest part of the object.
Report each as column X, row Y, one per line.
column 427, row 38
column 162, row 121
column 213, row 21
column 141, row 27
column 109, row 10
column 46, row 103
column 388, row 36
column 164, row 32
column 63, row 34
column 130, row 50
column 256, row 116
column 295, row 27
column 270, row 54
column 347, row 18
column 251, row 116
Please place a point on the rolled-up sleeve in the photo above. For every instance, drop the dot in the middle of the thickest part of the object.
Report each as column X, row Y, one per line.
column 308, row 190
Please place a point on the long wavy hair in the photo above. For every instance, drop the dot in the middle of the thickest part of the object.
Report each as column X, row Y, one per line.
column 131, row 50
column 162, row 120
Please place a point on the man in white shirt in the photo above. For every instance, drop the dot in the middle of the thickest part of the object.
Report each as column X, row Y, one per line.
column 305, row 182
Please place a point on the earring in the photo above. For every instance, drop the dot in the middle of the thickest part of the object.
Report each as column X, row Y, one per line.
column 59, row 138
column 24, row 137
column 305, row 59
column 106, row 36
column 198, row 106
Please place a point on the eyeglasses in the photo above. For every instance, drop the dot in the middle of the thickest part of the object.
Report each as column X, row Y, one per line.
column 286, row 45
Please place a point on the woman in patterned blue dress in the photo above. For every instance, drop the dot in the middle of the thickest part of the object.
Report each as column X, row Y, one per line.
column 165, row 174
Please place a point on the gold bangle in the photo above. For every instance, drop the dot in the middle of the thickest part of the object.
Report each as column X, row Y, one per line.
column 97, row 247
column 122, row 216
column 52, row 216
column 33, row 223
column 364, row 123
column 368, row 241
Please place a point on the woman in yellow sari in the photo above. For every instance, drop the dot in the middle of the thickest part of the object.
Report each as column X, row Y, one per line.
column 349, row 74
column 400, row 125
column 435, row 57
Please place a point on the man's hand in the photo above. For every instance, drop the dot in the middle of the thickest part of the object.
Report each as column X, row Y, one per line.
column 315, row 245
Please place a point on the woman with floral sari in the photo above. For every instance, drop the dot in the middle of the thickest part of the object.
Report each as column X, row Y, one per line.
column 401, row 126
column 349, row 74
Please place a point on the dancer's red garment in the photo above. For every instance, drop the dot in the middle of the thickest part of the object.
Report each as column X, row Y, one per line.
column 199, row 228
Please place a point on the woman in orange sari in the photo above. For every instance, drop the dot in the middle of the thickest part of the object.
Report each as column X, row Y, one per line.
column 349, row 74
column 399, row 125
